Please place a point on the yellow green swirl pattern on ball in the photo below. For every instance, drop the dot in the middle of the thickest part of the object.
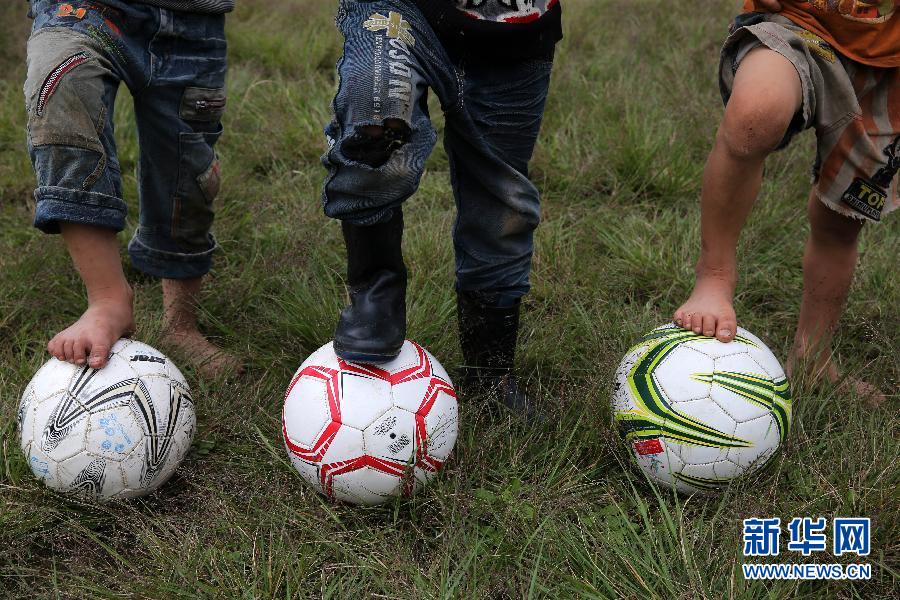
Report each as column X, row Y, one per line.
column 652, row 415
column 773, row 395
column 702, row 483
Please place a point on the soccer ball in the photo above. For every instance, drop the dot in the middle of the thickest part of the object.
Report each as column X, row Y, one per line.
column 698, row 413
column 365, row 433
column 117, row 432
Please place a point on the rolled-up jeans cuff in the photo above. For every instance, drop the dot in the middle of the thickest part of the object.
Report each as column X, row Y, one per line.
column 57, row 205
column 170, row 265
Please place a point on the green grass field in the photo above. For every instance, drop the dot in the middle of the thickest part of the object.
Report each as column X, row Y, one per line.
column 549, row 512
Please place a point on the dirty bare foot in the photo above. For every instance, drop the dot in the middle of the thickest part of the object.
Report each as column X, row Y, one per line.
column 109, row 316
column 824, row 369
column 182, row 333
column 869, row 393
column 210, row 360
column 709, row 310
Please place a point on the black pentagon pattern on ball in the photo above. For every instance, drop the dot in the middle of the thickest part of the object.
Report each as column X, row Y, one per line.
column 130, row 392
column 70, row 411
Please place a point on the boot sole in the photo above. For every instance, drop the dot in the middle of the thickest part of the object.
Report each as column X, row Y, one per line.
column 365, row 357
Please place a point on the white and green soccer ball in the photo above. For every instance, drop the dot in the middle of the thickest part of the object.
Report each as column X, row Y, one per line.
column 117, row 432
column 697, row 413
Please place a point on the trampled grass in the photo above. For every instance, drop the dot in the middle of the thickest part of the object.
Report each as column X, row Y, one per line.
column 554, row 511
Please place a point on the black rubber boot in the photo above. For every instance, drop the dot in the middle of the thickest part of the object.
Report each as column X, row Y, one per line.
column 487, row 335
column 372, row 329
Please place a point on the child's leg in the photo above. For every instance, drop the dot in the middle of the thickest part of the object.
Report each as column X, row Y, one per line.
column 828, row 267
column 766, row 96
column 489, row 146
column 109, row 316
column 70, row 93
column 379, row 139
column 179, row 123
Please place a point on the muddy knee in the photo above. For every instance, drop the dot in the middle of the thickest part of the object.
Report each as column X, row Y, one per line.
column 753, row 127
column 373, row 145
column 765, row 106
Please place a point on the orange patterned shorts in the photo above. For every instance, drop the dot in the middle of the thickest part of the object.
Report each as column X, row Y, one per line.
column 854, row 109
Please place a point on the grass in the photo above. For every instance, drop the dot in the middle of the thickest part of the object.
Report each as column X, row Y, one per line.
column 555, row 511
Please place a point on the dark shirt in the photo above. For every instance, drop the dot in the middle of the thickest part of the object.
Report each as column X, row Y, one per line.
column 496, row 29
column 194, row 6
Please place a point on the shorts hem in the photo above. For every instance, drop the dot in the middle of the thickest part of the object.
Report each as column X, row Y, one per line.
column 170, row 265
column 55, row 205
column 844, row 210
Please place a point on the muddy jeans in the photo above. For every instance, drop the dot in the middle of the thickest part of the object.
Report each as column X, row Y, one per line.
column 174, row 65
column 493, row 116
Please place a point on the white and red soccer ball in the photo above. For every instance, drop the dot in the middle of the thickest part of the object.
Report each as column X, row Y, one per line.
column 364, row 433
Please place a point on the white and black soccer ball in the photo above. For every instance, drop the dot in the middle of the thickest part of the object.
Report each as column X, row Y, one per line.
column 697, row 413
column 117, row 432
column 364, row 433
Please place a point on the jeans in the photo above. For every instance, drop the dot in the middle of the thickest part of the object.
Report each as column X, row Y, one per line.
column 174, row 66
column 381, row 136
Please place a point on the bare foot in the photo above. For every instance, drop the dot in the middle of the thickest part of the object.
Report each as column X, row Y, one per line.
column 108, row 318
column 709, row 310
column 869, row 394
column 210, row 360
column 827, row 371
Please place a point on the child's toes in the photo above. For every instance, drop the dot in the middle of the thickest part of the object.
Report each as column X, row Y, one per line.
column 678, row 318
column 697, row 323
column 55, row 349
column 726, row 331
column 69, row 350
column 99, row 354
column 79, row 352
column 709, row 325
